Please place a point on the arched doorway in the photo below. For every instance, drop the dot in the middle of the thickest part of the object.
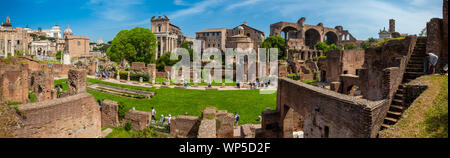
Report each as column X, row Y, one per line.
column 331, row 38
column 312, row 36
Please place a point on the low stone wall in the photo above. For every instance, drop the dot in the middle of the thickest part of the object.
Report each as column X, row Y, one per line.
column 184, row 126
column 207, row 129
column 110, row 115
column 60, row 69
column 139, row 119
column 225, row 127
column 249, row 130
column 76, row 116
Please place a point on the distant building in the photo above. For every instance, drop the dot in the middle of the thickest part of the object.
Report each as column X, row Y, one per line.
column 168, row 35
column 75, row 46
column 13, row 40
column 383, row 34
column 213, row 38
column 54, row 32
column 241, row 36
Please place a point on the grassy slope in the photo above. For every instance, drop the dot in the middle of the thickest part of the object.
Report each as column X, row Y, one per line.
column 428, row 115
column 248, row 103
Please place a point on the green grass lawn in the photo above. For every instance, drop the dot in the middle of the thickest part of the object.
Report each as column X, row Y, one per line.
column 248, row 103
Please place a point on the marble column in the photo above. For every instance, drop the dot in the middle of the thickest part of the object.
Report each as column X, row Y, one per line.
column 167, row 44
column 6, row 45
column 12, row 45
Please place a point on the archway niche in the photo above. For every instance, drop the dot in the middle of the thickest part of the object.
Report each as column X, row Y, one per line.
column 331, row 38
column 312, row 36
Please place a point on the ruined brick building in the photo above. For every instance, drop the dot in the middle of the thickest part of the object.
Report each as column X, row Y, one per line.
column 368, row 91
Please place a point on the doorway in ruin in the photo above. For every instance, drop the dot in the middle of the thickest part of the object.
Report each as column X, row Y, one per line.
column 312, row 36
column 331, row 38
column 288, row 32
column 293, row 124
column 354, row 91
column 323, row 76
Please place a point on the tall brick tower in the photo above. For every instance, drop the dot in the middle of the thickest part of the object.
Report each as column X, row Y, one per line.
column 391, row 25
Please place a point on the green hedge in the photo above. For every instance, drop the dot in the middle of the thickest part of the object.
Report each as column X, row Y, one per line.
column 133, row 77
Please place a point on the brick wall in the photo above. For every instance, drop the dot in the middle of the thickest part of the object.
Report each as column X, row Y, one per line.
column 139, row 119
column 326, row 113
column 110, row 115
column 185, row 126
column 75, row 116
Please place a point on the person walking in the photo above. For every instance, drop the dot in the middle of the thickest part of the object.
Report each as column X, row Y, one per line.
column 236, row 119
column 153, row 114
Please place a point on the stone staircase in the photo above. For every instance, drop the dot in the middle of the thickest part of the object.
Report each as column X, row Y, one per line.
column 414, row 69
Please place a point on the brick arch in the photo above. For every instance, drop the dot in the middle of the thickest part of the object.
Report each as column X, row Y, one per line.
column 331, row 38
column 312, row 36
column 277, row 29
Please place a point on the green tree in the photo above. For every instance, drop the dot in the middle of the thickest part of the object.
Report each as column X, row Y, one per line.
column 275, row 42
column 135, row 45
column 367, row 43
column 349, row 46
column 164, row 60
column 58, row 54
column 322, row 46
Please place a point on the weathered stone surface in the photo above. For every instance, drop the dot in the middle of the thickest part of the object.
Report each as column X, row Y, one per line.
column 76, row 116
column 325, row 113
column 249, row 130
column 110, row 115
column 207, row 129
column 139, row 119
column 225, row 124
column 184, row 126
column 42, row 85
column 77, row 81
column 14, row 82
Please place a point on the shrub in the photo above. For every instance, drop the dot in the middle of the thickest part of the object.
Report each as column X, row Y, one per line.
column 349, row 46
column 122, row 110
column 135, row 77
column 128, row 126
column 31, row 96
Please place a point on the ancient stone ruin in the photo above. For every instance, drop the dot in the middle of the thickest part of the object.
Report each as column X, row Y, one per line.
column 214, row 124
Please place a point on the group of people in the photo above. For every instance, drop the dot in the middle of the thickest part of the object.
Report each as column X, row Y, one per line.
column 163, row 119
column 255, row 85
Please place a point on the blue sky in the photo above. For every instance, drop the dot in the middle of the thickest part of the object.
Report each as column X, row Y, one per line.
column 105, row 18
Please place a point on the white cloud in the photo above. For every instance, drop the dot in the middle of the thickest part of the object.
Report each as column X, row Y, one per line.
column 197, row 8
column 116, row 10
column 242, row 4
column 179, row 2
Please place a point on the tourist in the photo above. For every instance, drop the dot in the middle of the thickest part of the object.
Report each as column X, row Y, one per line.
column 99, row 102
column 168, row 119
column 209, row 84
column 162, row 119
column 153, row 114
column 236, row 119
column 186, row 114
column 431, row 61
column 185, row 84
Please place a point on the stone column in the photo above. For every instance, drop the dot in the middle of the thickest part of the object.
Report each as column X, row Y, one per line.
column 167, row 44
column 6, row 45
column 12, row 45
column 128, row 79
